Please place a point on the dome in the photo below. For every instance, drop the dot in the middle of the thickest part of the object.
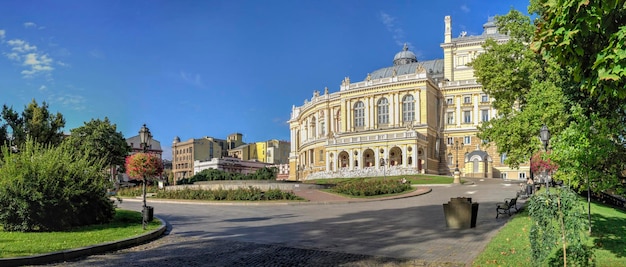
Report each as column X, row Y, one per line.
column 404, row 57
column 176, row 140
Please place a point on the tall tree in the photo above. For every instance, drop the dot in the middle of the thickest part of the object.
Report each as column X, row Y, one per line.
column 35, row 122
column 525, row 88
column 100, row 140
column 586, row 38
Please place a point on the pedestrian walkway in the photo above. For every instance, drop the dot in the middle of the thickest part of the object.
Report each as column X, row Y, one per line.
column 403, row 230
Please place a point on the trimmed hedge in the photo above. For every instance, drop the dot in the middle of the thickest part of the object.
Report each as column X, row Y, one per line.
column 218, row 175
column 241, row 194
column 371, row 187
column 44, row 188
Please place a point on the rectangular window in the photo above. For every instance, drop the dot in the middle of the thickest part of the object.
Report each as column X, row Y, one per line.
column 467, row 140
column 484, row 98
column 321, row 155
column 449, row 101
column 467, row 99
column 467, row 116
column 522, row 175
column 450, row 141
column 503, row 175
column 450, row 117
column 484, row 115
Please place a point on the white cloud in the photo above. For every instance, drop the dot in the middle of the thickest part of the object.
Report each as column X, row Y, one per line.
column 465, row 9
column 43, row 88
column 63, row 64
column 75, row 102
column 21, row 46
column 391, row 25
column 2, row 33
column 13, row 56
column 193, row 79
column 30, row 25
column 37, row 64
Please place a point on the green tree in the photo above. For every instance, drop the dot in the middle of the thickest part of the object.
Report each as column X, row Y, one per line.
column 586, row 38
column 35, row 122
column 525, row 88
column 100, row 140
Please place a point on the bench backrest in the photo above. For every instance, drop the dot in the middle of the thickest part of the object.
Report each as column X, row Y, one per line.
column 513, row 202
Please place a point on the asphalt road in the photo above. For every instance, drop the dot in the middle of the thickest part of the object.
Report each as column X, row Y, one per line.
column 401, row 232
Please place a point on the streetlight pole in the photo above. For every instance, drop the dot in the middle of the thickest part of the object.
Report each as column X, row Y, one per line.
column 544, row 135
column 145, row 137
column 457, row 174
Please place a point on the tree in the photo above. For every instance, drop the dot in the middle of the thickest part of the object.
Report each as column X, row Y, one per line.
column 100, row 140
column 586, row 39
column 525, row 88
column 35, row 122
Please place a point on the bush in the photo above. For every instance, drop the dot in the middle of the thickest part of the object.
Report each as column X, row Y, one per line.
column 44, row 188
column 136, row 191
column 371, row 187
column 218, row 175
column 240, row 194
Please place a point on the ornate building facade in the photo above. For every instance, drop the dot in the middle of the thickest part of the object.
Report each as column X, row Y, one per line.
column 412, row 117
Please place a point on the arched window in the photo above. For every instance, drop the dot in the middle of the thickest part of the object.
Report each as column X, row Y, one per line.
column 408, row 108
column 383, row 111
column 338, row 121
column 359, row 114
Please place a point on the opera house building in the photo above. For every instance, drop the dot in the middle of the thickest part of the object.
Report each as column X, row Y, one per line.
column 413, row 117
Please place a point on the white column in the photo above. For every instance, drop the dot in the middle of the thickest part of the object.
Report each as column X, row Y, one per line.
column 418, row 109
column 404, row 156
column 327, row 161
column 351, row 159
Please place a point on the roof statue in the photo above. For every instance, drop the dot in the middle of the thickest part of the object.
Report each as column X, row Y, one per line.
column 395, row 72
column 325, row 90
column 369, row 77
column 420, row 69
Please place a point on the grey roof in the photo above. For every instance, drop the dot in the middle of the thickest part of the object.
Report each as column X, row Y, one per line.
column 135, row 142
column 433, row 67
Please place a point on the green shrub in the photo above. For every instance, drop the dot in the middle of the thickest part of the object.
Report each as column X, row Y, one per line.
column 44, row 188
column 371, row 187
column 219, row 175
column 559, row 216
column 240, row 194
column 136, row 191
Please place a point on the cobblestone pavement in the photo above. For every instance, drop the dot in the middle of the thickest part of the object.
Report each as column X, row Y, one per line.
column 402, row 232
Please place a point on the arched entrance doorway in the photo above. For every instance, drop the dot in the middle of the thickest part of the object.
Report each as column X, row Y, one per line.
column 395, row 156
column 344, row 159
column 368, row 158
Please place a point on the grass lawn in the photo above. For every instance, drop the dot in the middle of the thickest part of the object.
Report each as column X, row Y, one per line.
column 414, row 179
column 125, row 224
column 511, row 246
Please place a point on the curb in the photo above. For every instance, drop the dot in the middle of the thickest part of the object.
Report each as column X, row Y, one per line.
column 70, row 254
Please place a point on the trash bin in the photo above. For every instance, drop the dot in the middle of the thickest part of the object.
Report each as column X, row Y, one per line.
column 148, row 213
column 460, row 213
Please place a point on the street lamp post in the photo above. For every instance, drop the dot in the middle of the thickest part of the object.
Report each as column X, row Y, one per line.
column 145, row 137
column 457, row 174
column 544, row 135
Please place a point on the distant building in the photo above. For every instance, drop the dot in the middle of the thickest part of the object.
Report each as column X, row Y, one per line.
column 271, row 151
column 228, row 164
column 408, row 118
column 184, row 154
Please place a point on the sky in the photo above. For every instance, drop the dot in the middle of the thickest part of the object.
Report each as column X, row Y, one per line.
column 210, row 68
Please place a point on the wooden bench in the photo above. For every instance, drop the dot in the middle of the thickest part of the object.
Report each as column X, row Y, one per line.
column 506, row 206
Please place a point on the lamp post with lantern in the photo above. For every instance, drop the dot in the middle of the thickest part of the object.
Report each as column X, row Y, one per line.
column 457, row 173
column 145, row 137
column 544, row 135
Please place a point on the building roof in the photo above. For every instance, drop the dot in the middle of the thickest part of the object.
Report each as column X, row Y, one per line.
column 135, row 143
column 433, row 67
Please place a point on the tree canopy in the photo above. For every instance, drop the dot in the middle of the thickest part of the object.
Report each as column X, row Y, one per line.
column 35, row 122
column 101, row 140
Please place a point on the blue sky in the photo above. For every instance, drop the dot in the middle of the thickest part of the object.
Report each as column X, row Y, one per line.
column 210, row 68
